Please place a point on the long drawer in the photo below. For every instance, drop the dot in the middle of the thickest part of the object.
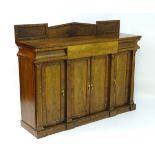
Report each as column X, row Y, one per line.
column 94, row 49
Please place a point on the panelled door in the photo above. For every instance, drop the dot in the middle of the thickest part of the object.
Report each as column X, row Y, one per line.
column 122, row 78
column 89, row 85
column 53, row 85
column 80, row 79
column 99, row 83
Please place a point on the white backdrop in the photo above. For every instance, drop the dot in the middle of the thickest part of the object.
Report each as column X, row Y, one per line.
column 129, row 133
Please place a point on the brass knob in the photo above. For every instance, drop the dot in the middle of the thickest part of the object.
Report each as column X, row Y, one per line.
column 62, row 92
column 88, row 86
column 92, row 87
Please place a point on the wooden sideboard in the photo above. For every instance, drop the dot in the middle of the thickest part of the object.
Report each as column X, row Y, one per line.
column 73, row 74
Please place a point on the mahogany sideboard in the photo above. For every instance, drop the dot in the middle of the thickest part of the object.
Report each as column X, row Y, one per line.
column 73, row 74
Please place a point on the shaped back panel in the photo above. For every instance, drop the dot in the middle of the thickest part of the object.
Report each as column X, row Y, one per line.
column 30, row 31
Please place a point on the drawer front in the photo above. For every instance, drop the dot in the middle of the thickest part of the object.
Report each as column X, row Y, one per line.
column 128, row 45
column 51, row 55
column 94, row 49
column 47, row 54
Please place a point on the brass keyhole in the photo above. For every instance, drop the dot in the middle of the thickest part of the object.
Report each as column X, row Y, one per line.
column 115, row 82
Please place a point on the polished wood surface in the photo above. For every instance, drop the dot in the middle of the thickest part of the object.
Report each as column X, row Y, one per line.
column 94, row 49
column 79, row 87
column 31, row 31
column 72, row 30
column 54, row 88
column 38, row 44
column 99, row 83
column 110, row 29
column 27, row 89
column 122, row 80
column 74, row 74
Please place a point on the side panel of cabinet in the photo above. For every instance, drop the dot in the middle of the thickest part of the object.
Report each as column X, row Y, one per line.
column 122, row 78
column 27, row 91
column 99, row 83
column 80, row 77
column 53, row 83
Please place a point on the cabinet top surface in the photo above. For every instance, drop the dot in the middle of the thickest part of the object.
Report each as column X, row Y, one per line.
column 63, row 42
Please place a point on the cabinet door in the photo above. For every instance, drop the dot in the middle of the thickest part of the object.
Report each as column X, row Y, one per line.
column 99, row 83
column 53, row 77
column 122, row 78
column 80, row 75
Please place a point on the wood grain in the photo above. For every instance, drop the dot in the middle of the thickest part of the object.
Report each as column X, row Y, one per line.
column 99, row 81
column 27, row 91
column 79, row 87
column 86, row 50
column 53, row 80
column 123, row 65
column 31, row 31
column 74, row 74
